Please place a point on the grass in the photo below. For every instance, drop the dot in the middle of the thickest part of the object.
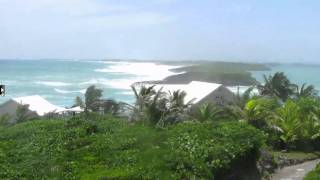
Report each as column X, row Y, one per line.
column 300, row 156
column 313, row 175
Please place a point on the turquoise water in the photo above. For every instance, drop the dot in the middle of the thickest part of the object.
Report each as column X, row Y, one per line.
column 61, row 81
column 297, row 73
column 58, row 81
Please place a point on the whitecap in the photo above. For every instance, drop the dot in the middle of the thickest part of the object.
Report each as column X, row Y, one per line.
column 150, row 70
column 82, row 91
column 95, row 81
column 141, row 71
column 126, row 93
column 112, row 83
column 53, row 83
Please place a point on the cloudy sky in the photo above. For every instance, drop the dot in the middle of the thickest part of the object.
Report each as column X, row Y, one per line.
column 248, row 30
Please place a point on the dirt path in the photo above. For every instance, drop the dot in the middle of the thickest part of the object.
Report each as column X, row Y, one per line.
column 296, row 172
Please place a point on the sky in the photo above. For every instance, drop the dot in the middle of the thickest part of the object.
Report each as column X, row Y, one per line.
column 231, row 30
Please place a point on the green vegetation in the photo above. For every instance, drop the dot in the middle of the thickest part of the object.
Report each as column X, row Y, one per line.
column 313, row 175
column 208, row 112
column 22, row 113
column 104, row 147
column 92, row 96
column 159, row 108
column 277, row 85
column 226, row 73
column 166, row 137
column 4, row 119
column 298, row 156
column 79, row 102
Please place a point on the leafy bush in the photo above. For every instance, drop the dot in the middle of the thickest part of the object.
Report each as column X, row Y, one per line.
column 210, row 150
column 108, row 148
column 298, row 124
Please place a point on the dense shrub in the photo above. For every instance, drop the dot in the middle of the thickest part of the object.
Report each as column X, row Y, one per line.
column 108, row 148
column 210, row 150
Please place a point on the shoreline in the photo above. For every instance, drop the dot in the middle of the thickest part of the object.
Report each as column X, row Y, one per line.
column 114, row 77
column 225, row 73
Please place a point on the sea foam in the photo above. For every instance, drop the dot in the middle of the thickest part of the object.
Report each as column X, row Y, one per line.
column 53, row 83
column 137, row 72
column 82, row 91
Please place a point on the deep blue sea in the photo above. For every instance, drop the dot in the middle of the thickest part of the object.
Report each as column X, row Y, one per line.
column 60, row 81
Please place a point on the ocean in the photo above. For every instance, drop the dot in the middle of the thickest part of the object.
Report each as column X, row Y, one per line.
column 60, row 81
column 297, row 73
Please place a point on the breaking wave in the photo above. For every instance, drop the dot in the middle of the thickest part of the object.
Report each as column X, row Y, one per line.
column 82, row 91
column 53, row 83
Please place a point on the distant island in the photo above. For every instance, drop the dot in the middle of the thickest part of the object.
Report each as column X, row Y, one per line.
column 226, row 73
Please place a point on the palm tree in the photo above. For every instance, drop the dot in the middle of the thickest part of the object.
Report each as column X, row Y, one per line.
column 310, row 127
column 287, row 122
column 177, row 101
column 277, row 85
column 78, row 102
column 22, row 113
column 156, row 109
column 111, row 106
column 306, row 91
column 175, row 108
column 242, row 99
column 207, row 111
column 312, row 124
column 143, row 94
column 255, row 112
column 92, row 98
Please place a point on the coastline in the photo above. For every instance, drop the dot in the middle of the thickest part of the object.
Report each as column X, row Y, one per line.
column 226, row 73
column 60, row 81
column 115, row 77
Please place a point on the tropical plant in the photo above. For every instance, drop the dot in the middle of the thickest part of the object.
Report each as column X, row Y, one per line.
column 277, row 85
column 112, row 107
column 208, row 112
column 256, row 111
column 306, row 91
column 174, row 106
column 287, row 122
column 242, row 99
column 156, row 109
column 4, row 119
column 22, row 113
column 79, row 102
column 92, row 98
column 309, row 109
column 307, row 105
column 177, row 101
column 310, row 127
column 143, row 94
